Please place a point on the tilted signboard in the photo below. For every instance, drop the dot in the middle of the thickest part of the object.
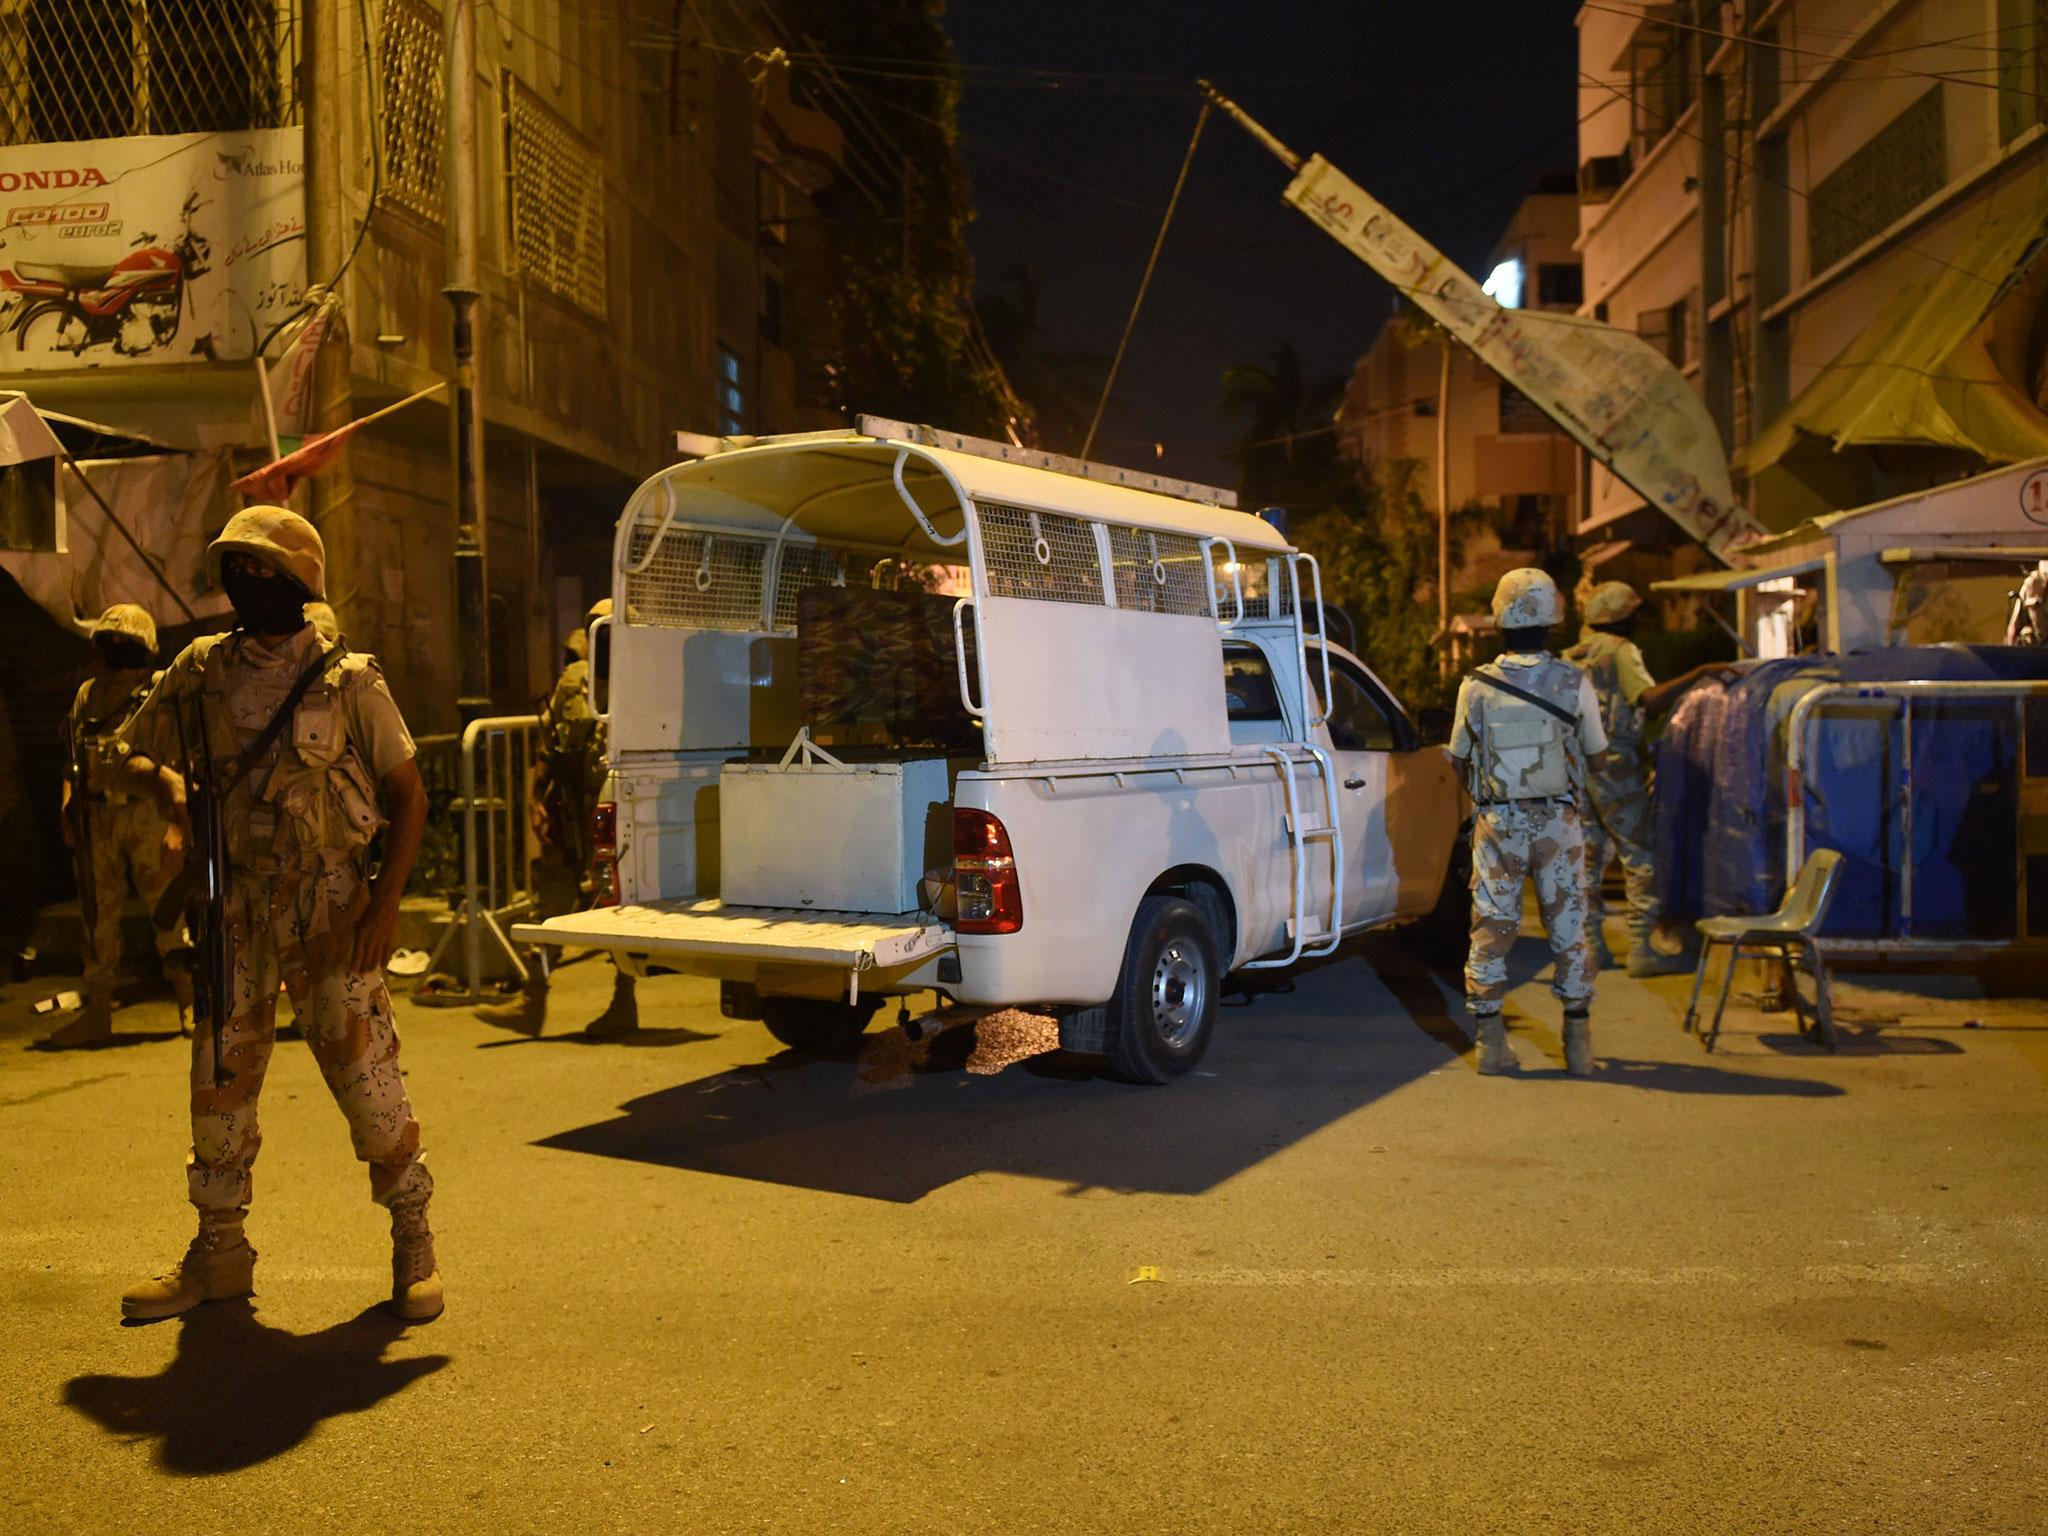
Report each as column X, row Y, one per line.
column 118, row 252
column 1623, row 400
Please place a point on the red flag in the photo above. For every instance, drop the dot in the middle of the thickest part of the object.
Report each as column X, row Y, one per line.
column 274, row 481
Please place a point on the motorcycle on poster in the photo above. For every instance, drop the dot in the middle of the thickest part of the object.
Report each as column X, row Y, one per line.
column 157, row 249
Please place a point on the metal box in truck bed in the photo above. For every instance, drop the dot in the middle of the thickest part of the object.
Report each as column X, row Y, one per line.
column 835, row 837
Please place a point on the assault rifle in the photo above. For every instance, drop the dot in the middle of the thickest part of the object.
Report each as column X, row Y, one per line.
column 80, row 812
column 201, row 888
column 201, row 893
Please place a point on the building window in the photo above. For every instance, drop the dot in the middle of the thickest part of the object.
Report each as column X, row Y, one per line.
column 771, row 309
column 732, row 393
column 1560, row 284
column 1904, row 164
column 1663, row 74
column 104, row 69
column 557, row 203
column 2022, row 66
column 1669, row 330
column 1518, row 413
column 410, row 114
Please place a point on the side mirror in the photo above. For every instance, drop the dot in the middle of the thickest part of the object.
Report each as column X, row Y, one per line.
column 1433, row 725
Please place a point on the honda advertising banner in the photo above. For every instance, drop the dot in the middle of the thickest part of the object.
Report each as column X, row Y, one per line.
column 116, row 252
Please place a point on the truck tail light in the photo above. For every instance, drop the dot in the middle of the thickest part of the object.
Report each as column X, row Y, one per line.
column 604, row 857
column 985, row 875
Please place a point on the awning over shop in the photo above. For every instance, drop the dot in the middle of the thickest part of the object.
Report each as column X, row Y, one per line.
column 1921, row 371
column 1986, row 554
column 1732, row 581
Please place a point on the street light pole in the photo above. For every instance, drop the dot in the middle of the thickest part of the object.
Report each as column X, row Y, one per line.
column 472, row 607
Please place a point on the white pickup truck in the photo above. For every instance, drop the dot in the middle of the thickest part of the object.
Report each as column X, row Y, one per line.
column 892, row 710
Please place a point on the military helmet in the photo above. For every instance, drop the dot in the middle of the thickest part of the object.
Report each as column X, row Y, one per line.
column 601, row 609
column 1526, row 599
column 1611, row 602
column 281, row 539
column 130, row 619
column 324, row 621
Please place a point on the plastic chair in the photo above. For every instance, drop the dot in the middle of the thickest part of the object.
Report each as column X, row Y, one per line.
column 1785, row 934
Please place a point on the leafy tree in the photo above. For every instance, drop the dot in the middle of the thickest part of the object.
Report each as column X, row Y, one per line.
column 1060, row 388
column 1286, row 440
column 903, row 280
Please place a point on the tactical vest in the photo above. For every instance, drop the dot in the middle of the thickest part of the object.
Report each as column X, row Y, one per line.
column 1520, row 752
column 312, row 793
column 100, row 733
column 1598, row 656
column 572, row 738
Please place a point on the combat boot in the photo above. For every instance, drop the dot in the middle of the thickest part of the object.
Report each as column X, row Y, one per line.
column 1578, row 1045
column 1494, row 1056
column 415, row 1278
column 1596, row 941
column 621, row 1016
column 218, row 1266
column 93, row 1026
column 523, row 1014
column 1643, row 959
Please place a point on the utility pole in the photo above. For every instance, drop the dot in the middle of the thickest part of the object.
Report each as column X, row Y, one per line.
column 465, row 415
column 1443, row 510
column 330, row 498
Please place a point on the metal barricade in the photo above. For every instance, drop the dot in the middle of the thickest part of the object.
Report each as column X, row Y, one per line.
column 497, row 855
column 2024, row 840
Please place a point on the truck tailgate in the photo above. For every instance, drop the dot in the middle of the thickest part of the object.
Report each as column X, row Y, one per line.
column 856, row 941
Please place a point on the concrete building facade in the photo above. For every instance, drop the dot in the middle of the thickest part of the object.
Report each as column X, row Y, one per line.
column 1504, row 453
column 651, row 260
column 1826, row 213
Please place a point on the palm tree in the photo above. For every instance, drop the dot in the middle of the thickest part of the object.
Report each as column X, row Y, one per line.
column 1286, row 431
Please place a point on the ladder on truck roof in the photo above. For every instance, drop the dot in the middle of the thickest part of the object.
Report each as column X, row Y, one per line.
column 1305, row 835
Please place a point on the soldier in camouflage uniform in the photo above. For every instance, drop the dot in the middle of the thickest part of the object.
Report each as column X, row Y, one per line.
column 303, row 905
column 569, row 774
column 126, row 833
column 1525, row 726
column 1618, row 819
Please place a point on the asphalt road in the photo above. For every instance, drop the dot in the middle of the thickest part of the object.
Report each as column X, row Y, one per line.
column 1335, row 1282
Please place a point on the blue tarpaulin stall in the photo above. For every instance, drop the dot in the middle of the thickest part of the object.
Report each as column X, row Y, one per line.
column 1913, row 762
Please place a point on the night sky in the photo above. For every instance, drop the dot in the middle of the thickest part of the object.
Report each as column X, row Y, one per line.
column 1446, row 110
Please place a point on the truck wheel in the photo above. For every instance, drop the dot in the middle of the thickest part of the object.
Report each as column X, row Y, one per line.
column 1444, row 937
column 1165, row 1005
column 815, row 1026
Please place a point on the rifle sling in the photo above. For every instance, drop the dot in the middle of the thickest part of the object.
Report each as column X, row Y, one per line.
column 1527, row 697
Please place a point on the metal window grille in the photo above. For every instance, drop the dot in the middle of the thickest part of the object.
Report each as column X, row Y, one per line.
column 802, row 567
column 1159, row 572
column 557, row 201
column 1041, row 555
column 103, row 69
column 410, row 61
column 695, row 580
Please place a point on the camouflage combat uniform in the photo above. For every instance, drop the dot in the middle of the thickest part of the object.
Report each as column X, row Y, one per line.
column 570, row 746
column 1524, row 771
column 127, row 836
column 298, row 828
column 1617, row 784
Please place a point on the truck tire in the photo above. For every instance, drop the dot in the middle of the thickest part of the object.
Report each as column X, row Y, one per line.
column 1164, row 1010
column 1444, row 937
column 815, row 1026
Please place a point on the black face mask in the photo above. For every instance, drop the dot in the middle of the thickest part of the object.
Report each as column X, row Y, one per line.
column 266, row 605
column 121, row 653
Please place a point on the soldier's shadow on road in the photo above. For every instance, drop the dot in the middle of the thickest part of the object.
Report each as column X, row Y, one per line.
column 239, row 1392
